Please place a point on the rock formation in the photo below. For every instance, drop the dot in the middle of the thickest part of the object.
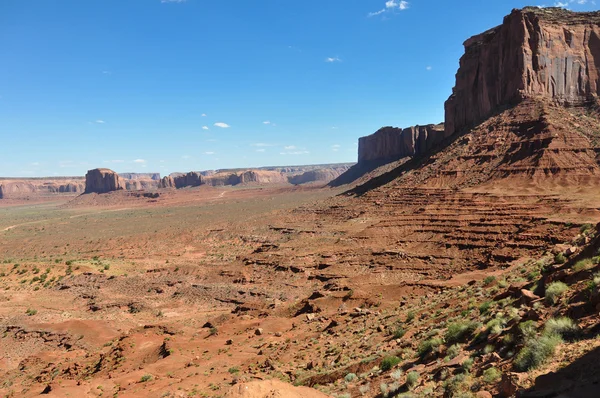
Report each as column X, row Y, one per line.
column 140, row 176
column 547, row 53
column 13, row 188
column 103, row 181
column 524, row 107
column 537, row 62
column 319, row 175
column 393, row 143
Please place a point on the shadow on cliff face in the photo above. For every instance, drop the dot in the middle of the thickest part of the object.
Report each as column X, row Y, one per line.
column 580, row 379
column 414, row 163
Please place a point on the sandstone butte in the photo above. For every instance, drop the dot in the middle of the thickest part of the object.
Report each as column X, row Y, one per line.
column 537, row 54
column 103, row 181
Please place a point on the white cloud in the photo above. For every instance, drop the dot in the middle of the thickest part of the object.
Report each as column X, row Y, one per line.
column 114, row 161
column 100, row 121
column 139, row 161
column 222, row 125
column 295, row 153
column 262, row 144
column 289, row 147
column 428, row 68
column 186, row 157
column 209, row 153
column 35, row 163
column 204, row 127
column 391, row 6
column 203, row 115
column 261, row 150
column 333, row 59
column 334, row 128
column 335, row 147
column 266, row 122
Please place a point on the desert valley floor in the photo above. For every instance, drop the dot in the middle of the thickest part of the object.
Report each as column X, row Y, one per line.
column 201, row 290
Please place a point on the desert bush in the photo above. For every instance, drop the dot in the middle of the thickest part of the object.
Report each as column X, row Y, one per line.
column 396, row 374
column 563, row 326
column 492, row 375
column 585, row 228
column 554, row 291
column 467, row 364
column 489, row 280
column 389, row 362
column 365, row 388
column 427, row 346
column 350, row 377
column 398, row 332
column 528, row 329
column 412, row 379
column 30, row 312
column 459, row 331
column 560, row 258
column 536, row 351
column 484, row 308
column 583, row 264
column 453, row 351
column 455, row 384
column 146, row 378
column 410, row 316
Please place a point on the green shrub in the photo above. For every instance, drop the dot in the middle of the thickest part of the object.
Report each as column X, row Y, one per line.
column 453, row 351
column 350, row 377
column 582, row 265
column 234, row 370
column 146, row 378
column 489, row 280
column 491, row 375
column 562, row 326
column 585, row 228
column 484, row 308
column 389, row 362
column 412, row 379
column 410, row 316
column 528, row 329
column 536, row 351
column 467, row 364
column 30, row 312
column 560, row 258
column 427, row 346
column 398, row 333
column 554, row 291
column 459, row 331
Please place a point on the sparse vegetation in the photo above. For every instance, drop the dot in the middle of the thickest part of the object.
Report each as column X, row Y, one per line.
column 563, row 326
column 459, row 331
column 389, row 362
column 536, row 351
column 554, row 291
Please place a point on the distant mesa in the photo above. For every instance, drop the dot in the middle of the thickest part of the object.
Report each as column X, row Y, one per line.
column 258, row 176
column 103, row 181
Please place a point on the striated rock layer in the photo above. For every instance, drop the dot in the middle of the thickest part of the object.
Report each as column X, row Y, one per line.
column 20, row 188
column 536, row 53
column 103, row 181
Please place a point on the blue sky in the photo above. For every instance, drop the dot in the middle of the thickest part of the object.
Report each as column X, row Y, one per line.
column 164, row 86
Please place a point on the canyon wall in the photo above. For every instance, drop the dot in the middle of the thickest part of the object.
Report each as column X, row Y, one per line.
column 19, row 188
column 547, row 53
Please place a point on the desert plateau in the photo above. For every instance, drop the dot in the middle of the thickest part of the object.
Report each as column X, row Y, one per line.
column 454, row 259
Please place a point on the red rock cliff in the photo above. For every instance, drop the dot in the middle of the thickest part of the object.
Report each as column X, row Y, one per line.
column 546, row 53
column 393, row 142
